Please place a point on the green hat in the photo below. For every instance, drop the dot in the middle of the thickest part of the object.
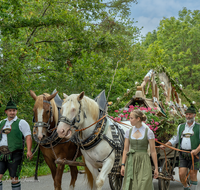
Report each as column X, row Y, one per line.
column 191, row 109
column 11, row 105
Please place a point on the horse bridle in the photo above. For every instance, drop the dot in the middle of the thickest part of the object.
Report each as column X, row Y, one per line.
column 74, row 121
column 44, row 124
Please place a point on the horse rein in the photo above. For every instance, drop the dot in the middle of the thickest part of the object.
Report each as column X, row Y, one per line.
column 65, row 120
column 77, row 130
column 72, row 123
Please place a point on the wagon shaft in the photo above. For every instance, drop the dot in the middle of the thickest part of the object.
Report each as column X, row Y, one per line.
column 68, row 162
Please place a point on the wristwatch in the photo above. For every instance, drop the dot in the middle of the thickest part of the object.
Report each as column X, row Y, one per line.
column 123, row 164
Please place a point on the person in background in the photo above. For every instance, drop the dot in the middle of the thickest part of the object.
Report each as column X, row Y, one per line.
column 13, row 131
column 136, row 164
column 188, row 138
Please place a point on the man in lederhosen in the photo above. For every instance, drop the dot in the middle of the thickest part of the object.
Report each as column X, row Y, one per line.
column 13, row 131
column 188, row 137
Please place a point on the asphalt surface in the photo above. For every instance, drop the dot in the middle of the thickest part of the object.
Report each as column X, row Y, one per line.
column 46, row 183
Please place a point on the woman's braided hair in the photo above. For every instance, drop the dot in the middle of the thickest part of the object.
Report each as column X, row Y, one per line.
column 140, row 114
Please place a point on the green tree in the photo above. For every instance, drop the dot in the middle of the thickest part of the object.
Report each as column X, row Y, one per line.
column 150, row 38
column 68, row 45
column 177, row 47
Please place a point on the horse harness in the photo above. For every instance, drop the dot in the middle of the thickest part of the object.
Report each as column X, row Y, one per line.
column 118, row 139
column 99, row 133
column 94, row 138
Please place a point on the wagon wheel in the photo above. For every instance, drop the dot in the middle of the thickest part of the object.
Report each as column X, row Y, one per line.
column 162, row 183
column 115, row 181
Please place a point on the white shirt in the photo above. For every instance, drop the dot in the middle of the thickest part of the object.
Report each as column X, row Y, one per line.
column 150, row 134
column 185, row 143
column 23, row 127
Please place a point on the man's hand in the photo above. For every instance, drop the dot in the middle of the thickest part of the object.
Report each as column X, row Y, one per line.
column 29, row 155
column 195, row 152
column 29, row 145
column 163, row 146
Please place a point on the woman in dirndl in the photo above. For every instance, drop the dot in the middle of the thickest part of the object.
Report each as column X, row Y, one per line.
column 136, row 164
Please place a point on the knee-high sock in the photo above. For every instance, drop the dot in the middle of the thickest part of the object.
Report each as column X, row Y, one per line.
column 1, row 185
column 193, row 185
column 152, row 185
column 16, row 186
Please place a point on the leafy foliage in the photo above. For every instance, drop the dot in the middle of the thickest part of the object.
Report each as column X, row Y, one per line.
column 72, row 46
column 46, row 43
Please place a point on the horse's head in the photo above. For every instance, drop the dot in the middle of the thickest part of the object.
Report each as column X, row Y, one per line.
column 73, row 115
column 45, row 113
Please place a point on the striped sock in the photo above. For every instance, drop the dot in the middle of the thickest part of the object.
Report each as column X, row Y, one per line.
column 16, row 186
column 1, row 185
column 193, row 185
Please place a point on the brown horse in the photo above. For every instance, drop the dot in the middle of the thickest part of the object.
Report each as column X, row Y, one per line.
column 52, row 147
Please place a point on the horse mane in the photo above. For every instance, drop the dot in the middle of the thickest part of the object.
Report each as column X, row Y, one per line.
column 88, row 105
column 92, row 107
column 53, row 104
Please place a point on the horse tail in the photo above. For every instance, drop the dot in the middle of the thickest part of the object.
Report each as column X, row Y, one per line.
column 88, row 175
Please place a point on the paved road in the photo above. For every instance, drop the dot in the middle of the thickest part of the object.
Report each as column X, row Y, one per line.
column 46, row 183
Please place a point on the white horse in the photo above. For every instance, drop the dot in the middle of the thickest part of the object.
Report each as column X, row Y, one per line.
column 79, row 107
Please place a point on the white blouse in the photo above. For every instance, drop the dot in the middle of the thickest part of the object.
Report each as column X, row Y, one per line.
column 150, row 134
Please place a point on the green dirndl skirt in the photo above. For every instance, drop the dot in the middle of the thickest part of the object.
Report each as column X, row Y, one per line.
column 138, row 171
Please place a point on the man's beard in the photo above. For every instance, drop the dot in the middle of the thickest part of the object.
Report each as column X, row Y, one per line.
column 190, row 120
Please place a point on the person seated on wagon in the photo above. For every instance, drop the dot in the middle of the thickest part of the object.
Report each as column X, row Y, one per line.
column 136, row 165
column 188, row 138
column 12, row 132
